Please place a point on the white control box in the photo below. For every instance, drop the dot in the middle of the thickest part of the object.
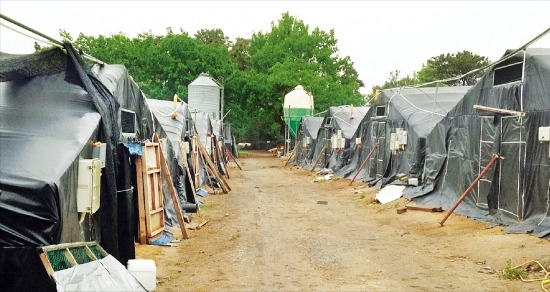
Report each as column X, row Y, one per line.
column 89, row 185
column 544, row 134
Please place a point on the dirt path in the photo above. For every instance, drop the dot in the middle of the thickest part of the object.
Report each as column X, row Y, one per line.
column 274, row 232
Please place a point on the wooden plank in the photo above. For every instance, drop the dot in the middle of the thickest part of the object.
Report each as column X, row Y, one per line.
column 46, row 263
column 223, row 183
column 168, row 178
column 154, row 221
column 319, row 157
column 146, row 192
column 424, row 208
column 141, row 201
column 70, row 257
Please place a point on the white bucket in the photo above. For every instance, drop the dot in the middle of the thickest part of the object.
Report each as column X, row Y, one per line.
column 145, row 271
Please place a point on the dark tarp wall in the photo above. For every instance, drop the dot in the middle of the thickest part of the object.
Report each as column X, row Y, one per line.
column 346, row 119
column 128, row 94
column 52, row 102
column 46, row 124
column 418, row 111
column 307, row 132
column 173, row 129
column 358, row 152
column 515, row 192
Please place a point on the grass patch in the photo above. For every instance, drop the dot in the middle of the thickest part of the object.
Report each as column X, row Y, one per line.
column 235, row 236
column 510, row 272
column 362, row 196
column 242, row 152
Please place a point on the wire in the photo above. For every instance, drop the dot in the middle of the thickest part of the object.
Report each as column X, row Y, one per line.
column 504, row 58
column 51, row 41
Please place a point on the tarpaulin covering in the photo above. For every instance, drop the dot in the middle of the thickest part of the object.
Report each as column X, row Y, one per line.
column 514, row 192
column 345, row 119
column 175, row 130
column 306, row 139
column 52, row 107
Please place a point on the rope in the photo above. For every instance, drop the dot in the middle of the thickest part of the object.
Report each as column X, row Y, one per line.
column 545, row 280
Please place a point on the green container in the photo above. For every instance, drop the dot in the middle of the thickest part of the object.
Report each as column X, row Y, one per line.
column 293, row 116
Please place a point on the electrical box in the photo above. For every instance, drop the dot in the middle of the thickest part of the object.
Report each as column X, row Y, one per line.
column 306, row 141
column 337, row 142
column 358, row 141
column 99, row 152
column 544, row 134
column 393, row 139
column 401, row 137
column 89, row 185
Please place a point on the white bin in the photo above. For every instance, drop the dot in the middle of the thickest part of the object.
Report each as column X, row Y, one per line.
column 145, row 271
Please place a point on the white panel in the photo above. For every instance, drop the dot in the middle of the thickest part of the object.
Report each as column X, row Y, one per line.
column 544, row 133
column 89, row 185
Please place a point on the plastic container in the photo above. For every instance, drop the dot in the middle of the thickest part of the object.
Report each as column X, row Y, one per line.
column 145, row 271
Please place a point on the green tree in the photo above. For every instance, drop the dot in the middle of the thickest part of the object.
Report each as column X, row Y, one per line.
column 448, row 65
column 288, row 55
column 239, row 53
column 214, row 37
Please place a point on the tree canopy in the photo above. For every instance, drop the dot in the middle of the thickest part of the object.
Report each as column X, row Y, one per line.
column 442, row 67
column 256, row 72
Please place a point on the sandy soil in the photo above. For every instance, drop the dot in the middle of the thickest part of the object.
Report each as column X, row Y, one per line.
column 279, row 230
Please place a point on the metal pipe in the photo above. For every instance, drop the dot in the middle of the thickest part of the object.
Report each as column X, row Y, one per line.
column 364, row 162
column 469, row 189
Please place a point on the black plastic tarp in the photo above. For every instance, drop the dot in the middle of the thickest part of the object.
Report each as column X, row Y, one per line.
column 345, row 119
column 515, row 192
column 306, row 139
column 52, row 108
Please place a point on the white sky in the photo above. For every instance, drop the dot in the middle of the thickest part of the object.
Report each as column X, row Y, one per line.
column 379, row 36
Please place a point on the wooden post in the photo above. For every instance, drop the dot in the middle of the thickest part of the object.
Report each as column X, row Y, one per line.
column 168, row 178
column 469, row 189
column 232, row 157
column 141, row 201
column 293, row 150
column 319, row 157
column 213, row 168
column 364, row 162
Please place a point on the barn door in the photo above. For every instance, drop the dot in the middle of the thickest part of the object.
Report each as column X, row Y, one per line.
column 486, row 150
column 513, row 136
column 376, row 162
column 510, row 134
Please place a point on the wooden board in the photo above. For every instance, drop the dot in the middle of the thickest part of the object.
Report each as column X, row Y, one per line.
column 152, row 185
column 140, row 202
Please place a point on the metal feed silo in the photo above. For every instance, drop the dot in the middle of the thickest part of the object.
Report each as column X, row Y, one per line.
column 297, row 103
column 204, row 94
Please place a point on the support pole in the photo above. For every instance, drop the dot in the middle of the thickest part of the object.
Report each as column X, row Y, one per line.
column 469, row 189
column 293, row 150
column 319, row 157
column 364, row 162
column 168, row 178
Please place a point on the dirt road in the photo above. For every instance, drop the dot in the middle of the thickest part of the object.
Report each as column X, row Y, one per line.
column 279, row 230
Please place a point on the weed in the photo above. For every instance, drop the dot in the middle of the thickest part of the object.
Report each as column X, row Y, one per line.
column 511, row 272
column 362, row 196
column 235, row 236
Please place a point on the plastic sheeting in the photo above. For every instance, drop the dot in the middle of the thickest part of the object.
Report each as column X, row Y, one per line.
column 307, row 132
column 173, row 129
column 106, row 274
column 52, row 107
column 339, row 118
column 515, row 192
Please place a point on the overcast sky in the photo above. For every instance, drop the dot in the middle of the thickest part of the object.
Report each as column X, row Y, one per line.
column 378, row 36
